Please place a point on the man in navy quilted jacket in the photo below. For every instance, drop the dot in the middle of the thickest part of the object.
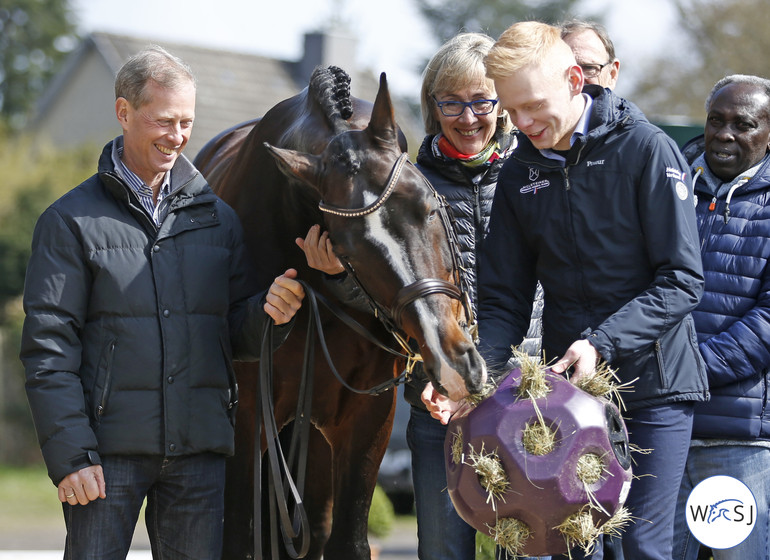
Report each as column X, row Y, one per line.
column 731, row 432
column 138, row 295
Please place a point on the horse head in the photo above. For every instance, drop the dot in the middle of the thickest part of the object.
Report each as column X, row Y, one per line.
column 391, row 230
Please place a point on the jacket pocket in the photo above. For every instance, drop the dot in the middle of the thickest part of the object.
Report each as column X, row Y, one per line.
column 661, row 364
column 102, row 396
column 232, row 405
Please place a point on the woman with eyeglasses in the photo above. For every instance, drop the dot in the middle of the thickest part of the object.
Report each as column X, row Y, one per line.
column 468, row 139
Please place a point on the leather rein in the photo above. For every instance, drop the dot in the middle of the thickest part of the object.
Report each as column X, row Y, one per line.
column 285, row 495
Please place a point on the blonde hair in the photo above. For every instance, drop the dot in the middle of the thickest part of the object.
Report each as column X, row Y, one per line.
column 458, row 63
column 522, row 44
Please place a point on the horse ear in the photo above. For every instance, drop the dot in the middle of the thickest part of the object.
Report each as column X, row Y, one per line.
column 382, row 125
column 297, row 164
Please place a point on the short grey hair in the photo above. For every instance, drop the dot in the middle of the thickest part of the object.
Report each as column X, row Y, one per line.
column 579, row 25
column 759, row 82
column 152, row 63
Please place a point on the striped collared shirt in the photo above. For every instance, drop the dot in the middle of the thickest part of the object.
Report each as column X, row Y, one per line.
column 142, row 190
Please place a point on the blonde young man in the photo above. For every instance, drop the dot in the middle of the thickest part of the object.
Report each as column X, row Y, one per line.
column 595, row 203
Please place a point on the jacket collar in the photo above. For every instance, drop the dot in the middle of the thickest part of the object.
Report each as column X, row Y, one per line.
column 187, row 183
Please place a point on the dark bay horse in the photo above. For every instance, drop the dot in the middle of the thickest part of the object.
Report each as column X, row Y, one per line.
column 325, row 157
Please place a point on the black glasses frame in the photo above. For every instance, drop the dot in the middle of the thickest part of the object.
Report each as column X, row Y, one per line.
column 593, row 70
column 468, row 104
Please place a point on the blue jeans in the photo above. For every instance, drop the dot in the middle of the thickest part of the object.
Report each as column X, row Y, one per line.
column 441, row 533
column 184, row 515
column 666, row 431
column 750, row 465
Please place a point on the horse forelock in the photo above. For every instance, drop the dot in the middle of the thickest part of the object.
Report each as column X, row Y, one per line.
column 347, row 155
column 330, row 88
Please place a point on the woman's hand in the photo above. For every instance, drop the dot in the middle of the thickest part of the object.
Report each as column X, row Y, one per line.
column 318, row 251
column 440, row 407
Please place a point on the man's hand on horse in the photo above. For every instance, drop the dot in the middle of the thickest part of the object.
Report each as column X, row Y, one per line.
column 284, row 297
column 318, row 251
column 440, row 407
column 581, row 357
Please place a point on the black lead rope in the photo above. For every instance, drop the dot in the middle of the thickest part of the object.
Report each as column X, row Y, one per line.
column 284, row 495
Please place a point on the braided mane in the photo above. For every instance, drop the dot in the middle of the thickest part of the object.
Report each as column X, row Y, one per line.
column 330, row 87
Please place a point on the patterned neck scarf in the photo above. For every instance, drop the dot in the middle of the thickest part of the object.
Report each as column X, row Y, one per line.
column 491, row 152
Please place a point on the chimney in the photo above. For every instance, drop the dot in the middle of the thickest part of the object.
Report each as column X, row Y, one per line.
column 327, row 48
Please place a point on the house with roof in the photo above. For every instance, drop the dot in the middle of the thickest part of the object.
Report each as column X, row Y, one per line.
column 78, row 107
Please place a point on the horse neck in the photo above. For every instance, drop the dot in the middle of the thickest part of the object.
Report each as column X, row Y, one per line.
column 273, row 210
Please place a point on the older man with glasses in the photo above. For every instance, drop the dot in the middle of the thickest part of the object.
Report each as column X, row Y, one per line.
column 593, row 50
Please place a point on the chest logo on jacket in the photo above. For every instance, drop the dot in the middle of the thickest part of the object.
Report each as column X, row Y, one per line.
column 535, row 185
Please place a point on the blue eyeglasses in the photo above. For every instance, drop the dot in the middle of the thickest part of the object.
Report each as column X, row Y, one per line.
column 457, row 108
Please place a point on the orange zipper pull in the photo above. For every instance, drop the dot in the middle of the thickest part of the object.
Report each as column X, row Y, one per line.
column 713, row 204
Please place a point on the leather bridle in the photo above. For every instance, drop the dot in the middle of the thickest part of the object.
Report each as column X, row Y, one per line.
column 392, row 316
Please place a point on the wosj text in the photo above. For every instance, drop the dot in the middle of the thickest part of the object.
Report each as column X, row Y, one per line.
column 730, row 509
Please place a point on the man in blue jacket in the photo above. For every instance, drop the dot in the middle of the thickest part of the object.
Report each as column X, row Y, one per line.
column 595, row 203
column 138, row 295
column 731, row 432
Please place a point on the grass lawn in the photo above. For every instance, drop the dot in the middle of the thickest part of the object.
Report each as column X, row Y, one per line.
column 30, row 512
column 28, row 496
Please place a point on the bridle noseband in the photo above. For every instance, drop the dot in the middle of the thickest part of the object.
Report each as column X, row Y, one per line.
column 392, row 317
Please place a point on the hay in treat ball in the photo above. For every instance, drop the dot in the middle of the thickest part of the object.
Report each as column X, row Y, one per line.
column 457, row 446
column 579, row 530
column 603, row 382
column 490, row 472
column 511, row 535
column 590, row 468
column 600, row 382
column 533, row 384
column 538, row 439
column 616, row 524
column 555, row 455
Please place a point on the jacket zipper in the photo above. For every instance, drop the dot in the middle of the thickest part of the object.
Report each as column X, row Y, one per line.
column 659, row 357
column 107, row 382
